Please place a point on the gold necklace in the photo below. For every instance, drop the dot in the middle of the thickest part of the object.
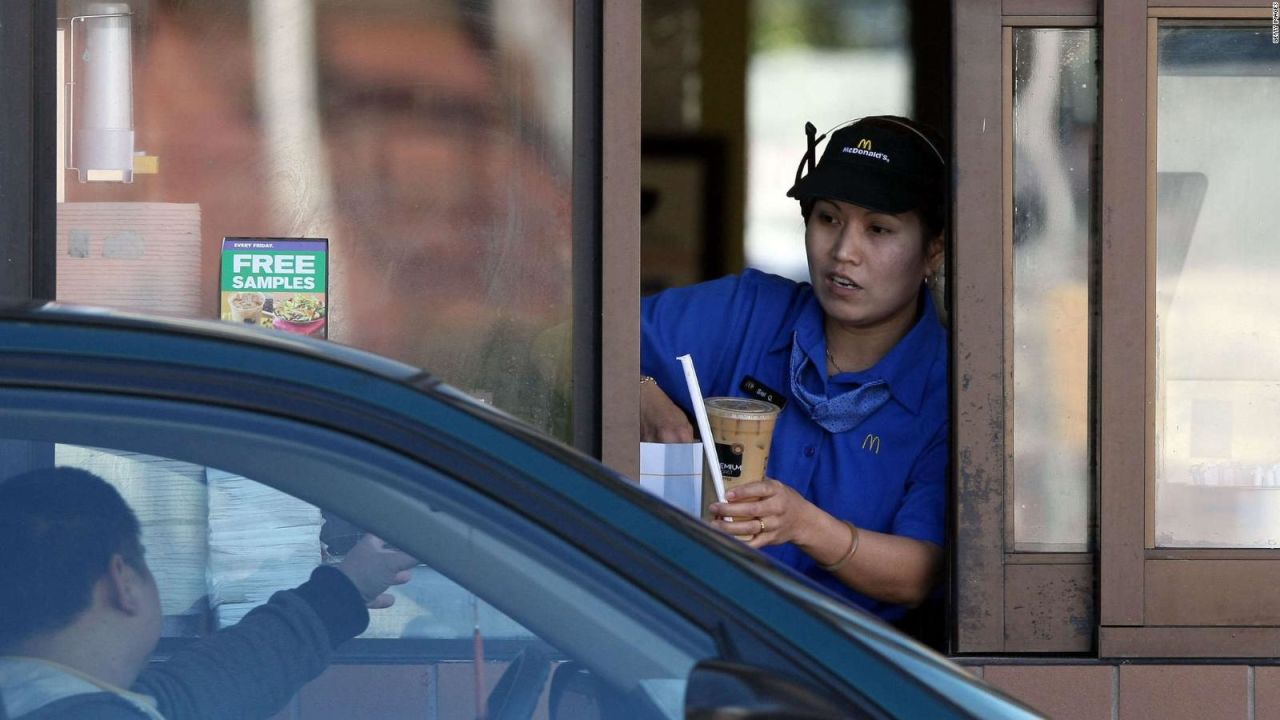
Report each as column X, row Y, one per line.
column 836, row 365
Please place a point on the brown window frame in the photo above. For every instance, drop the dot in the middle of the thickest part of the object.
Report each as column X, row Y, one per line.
column 1003, row 601
column 1150, row 602
column 1154, row 601
column 619, row 242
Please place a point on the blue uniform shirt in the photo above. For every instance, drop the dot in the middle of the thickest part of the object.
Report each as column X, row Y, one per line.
column 888, row 474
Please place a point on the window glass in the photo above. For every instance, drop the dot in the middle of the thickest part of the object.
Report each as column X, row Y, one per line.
column 491, row 589
column 823, row 62
column 1217, row 382
column 429, row 141
column 220, row 544
column 1055, row 103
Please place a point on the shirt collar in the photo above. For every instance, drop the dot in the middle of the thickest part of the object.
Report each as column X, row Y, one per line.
column 904, row 367
column 28, row 684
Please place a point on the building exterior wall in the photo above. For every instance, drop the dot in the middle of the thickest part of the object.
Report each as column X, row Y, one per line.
column 1091, row 690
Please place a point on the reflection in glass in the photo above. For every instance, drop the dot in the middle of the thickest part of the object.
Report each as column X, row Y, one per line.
column 1217, row 383
column 429, row 141
column 1055, row 102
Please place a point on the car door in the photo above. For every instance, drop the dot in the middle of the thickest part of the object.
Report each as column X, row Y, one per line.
column 546, row 587
column 236, row 506
column 244, row 485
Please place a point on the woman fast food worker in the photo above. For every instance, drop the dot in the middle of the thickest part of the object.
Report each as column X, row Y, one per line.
column 857, row 357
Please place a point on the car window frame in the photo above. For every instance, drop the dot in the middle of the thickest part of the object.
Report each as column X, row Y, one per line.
column 313, row 463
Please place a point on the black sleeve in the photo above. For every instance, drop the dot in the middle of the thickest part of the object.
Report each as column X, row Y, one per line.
column 338, row 603
column 252, row 669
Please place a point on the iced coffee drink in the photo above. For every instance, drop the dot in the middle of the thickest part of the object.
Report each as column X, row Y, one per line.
column 742, row 429
column 246, row 307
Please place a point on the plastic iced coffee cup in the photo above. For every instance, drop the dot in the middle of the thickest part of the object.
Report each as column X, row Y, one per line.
column 743, row 430
column 246, row 307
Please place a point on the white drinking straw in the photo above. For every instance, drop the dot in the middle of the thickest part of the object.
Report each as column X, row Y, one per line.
column 704, row 427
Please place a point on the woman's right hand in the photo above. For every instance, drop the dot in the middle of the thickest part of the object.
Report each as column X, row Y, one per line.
column 660, row 419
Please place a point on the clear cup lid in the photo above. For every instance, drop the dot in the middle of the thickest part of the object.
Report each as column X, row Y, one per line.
column 742, row 407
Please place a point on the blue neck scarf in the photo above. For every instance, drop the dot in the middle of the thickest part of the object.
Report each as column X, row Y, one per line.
column 837, row 414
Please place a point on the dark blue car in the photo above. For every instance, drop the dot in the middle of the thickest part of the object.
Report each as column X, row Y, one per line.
column 549, row 585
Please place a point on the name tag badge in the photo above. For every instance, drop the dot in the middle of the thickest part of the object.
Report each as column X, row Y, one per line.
column 756, row 389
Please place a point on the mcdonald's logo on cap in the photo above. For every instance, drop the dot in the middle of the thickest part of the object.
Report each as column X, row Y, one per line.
column 864, row 144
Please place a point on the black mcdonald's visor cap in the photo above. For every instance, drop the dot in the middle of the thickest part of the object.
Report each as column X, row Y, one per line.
column 878, row 163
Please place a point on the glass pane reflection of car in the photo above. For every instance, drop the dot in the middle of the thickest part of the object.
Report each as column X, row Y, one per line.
column 547, row 586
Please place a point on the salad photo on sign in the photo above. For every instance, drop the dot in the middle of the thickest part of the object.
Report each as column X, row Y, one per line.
column 276, row 283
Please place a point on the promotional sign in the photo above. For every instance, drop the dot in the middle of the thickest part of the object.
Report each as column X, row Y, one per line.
column 279, row 283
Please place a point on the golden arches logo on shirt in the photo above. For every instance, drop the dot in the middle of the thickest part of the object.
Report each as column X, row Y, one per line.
column 871, row 442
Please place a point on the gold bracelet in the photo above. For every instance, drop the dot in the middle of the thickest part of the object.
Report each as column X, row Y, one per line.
column 853, row 548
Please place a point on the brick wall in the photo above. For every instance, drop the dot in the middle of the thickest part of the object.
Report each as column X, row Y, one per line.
column 1097, row 691
column 442, row 690
column 1085, row 690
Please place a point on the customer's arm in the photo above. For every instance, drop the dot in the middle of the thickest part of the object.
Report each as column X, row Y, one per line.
column 252, row 669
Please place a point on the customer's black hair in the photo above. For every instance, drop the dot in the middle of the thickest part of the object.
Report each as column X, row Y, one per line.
column 59, row 528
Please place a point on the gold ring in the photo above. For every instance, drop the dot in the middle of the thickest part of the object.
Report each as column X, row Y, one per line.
column 762, row 528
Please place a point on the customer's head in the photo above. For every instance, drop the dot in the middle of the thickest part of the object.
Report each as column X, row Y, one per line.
column 69, row 545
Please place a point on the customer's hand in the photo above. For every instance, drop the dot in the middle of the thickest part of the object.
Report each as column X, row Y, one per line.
column 373, row 566
column 765, row 513
column 661, row 420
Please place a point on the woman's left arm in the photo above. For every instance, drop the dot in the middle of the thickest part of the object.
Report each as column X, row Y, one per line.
column 890, row 568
